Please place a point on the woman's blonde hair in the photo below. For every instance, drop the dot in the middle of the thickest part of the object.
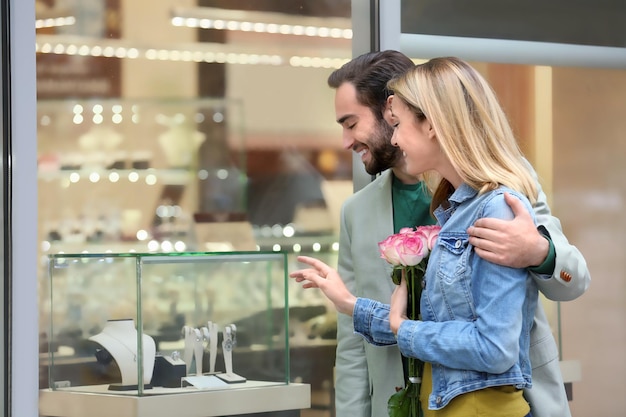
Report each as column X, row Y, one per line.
column 471, row 127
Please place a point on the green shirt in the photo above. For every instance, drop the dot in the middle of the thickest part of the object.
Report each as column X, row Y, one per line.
column 411, row 205
column 548, row 265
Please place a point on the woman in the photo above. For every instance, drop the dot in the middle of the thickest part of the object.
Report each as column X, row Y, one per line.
column 476, row 315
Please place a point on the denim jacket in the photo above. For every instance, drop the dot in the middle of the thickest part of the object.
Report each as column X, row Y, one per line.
column 476, row 315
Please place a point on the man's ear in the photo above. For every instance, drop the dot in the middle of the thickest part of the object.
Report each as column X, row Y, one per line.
column 388, row 105
column 387, row 115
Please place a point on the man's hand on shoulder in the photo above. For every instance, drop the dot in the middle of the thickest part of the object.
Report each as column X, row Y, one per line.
column 515, row 243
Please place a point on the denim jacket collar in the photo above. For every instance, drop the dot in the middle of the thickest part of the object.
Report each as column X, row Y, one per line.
column 460, row 195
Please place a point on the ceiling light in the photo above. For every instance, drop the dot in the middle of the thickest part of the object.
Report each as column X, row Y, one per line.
column 55, row 22
column 262, row 22
column 191, row 52
column 53, row 17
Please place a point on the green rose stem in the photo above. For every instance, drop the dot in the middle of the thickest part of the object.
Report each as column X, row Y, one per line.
column 413, row 276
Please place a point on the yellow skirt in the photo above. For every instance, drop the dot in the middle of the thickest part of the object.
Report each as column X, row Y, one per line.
column 504, row 401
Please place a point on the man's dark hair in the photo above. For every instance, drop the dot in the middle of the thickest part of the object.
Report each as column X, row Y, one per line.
column 369, row 73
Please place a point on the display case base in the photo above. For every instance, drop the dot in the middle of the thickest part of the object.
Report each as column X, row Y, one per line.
column 122, row 387
column 248, row 398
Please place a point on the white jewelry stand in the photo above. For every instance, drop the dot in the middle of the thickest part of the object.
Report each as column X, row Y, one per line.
column 193, row 348
column 213, row 335
column 198, row 349
column 100, row 138
column 229, row 342
column 194, row 345
column 188, row 337
column 119, row 338
column 180, row 143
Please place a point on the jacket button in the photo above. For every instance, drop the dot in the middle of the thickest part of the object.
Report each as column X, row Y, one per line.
column 438, row 400
column 566, row 276
column 457, row 244
column 423, row 283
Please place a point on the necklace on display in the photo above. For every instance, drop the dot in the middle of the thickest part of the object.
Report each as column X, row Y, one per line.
column 121, row 342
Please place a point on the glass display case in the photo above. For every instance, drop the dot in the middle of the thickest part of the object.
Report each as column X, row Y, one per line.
column 110, row 182
column 135, row 325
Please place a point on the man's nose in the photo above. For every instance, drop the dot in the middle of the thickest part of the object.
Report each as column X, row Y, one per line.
column 347, row 140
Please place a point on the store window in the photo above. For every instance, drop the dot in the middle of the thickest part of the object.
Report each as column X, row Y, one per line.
column 177, row 126
column 563, row 90
column 244, row 111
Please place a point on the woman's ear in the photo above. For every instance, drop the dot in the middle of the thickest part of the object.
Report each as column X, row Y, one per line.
column 431, row 129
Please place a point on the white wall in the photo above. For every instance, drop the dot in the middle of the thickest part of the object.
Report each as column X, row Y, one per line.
column 590, row 199
column 284, row 99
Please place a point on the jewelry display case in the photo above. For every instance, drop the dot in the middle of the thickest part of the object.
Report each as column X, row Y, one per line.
column 122, row 173
column 126, row 330
column 112, row 182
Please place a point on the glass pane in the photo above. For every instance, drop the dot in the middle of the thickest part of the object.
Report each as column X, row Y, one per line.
column 180, row 304
column 171, row 126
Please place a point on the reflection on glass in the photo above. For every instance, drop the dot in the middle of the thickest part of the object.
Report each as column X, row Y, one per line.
column 161, row 138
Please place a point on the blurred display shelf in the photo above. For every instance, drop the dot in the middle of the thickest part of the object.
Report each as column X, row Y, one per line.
column 102, row 247
column 320, row 243
column 140, row 176
column 254, row 397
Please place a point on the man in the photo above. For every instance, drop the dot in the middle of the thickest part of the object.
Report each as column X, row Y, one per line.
column 366, row 375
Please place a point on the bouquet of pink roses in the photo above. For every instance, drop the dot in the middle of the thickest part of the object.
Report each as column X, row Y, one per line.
column 408, row 252
column 409, row 249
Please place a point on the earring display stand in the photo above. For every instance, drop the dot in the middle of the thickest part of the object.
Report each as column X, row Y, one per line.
column 198, row 350
column 229, row 342
column 213, row 331
column 188, row 353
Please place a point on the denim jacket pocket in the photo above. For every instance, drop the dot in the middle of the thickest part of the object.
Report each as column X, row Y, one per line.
column 453, row 282
column 452, row 260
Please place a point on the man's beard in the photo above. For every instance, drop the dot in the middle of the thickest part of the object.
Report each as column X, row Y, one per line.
column 383, row 154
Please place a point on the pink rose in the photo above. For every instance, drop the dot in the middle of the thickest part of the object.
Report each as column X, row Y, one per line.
column 412, row 249
column 388, row 250
column 431, row 233
column 406, row 248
